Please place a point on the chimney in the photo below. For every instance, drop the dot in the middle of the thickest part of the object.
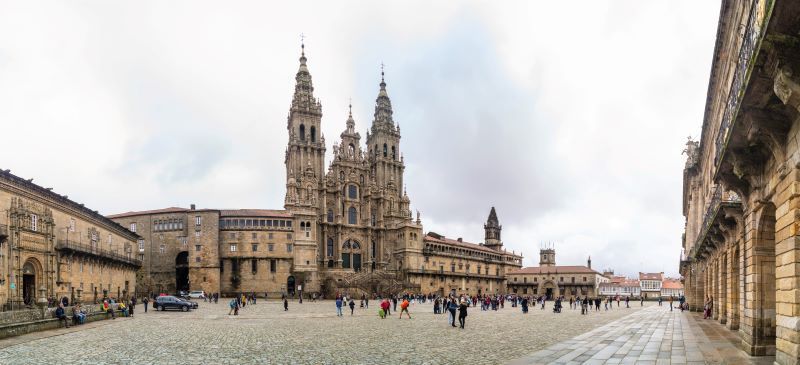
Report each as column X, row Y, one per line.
column 459, row 239
column 192, row 206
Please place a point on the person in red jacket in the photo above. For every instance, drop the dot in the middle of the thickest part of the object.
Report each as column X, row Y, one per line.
column 385, row 308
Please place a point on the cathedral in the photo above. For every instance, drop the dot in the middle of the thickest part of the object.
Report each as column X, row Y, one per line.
column 347, row 228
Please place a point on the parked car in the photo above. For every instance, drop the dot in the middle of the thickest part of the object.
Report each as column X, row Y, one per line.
column 197, row 294
column 182, row 294
column 169, row 302
column 193, row 304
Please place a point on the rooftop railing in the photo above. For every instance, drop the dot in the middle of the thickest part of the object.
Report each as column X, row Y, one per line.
column 96, row 251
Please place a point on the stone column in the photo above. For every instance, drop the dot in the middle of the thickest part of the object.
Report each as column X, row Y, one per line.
column 787, row 272
column 733, row 287
column 757, row 327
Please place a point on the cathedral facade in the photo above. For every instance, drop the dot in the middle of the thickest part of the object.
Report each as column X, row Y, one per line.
column 347, row 227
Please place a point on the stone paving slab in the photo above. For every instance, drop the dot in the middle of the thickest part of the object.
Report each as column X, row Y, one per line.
column 311, row 333
column 653, row 335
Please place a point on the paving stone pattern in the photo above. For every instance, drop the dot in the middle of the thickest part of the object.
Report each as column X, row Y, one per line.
column 649, row 336
column 309, row 333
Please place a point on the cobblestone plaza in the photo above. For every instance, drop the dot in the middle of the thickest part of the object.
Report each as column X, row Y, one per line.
column 309, row 333
column 312, row 334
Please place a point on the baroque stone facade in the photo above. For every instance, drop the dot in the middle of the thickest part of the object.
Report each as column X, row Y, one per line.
column 52, row 247
column 347, row 228
column 742, row 181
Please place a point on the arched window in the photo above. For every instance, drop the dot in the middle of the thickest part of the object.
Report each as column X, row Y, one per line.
column 313, row 134
column 361, row 179
column 302, row 132
column 394, row 157
column 352, row 215
column 341, row 175
column 385, row 150
column 352, row 192
column 302, row 226
column 374, row 247
column 351, row 149
column 329, row 249
column 330, row 215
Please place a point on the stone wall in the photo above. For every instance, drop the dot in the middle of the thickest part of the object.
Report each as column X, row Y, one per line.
column 20, row 322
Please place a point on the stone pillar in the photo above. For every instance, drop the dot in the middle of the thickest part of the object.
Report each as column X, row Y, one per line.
column 787, row 273
column 757, row 326
column 723, row 287
column 715, row 283
column 733, row 287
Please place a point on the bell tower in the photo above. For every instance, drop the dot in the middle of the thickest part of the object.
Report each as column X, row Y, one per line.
column 305, row 153
column 547, row 257
column 492, row 230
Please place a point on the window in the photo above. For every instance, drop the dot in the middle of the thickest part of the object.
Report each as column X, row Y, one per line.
column 345, row 260
column 288, row 247
column 254, row 266
column 271, row 247
column 34, row 222
column 162, row 248
column 330, row 216
column 221, row 266
column 273, row 265
column 198, row 220
column 72, row 225
column 385, row 150
column 313, row 134
column 302, row 132
column 329, row 249
column 197, row 259
column 255, row 236
column 352, row 215
column 288, row 236
column 255, row 247
column 197, row 233
column 394, row 156
column 352, row 192
column 232, row 235
column 584, row 278
column 141, row 257
column 141, row 245
column 573, row 280
column 375, row 247
column 233, row 248
column 269, row 235
column 341, row 175
column 453, row 267
column 198, row 247
column 282, row 223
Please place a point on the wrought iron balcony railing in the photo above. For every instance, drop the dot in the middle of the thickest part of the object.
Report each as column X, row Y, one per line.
column 95, row 251
column 718, row 199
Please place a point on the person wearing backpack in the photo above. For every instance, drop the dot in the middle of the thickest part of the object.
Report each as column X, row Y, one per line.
column 462, row 313
column 232, row 304
column 404, row 308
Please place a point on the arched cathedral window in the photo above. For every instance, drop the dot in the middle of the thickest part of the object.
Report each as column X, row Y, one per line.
column 394, row 157
column 341, row 175
column 329, row 249
column 330, row 215
column 302, row 132
column 352, row 215
column 385, row 150
column 352, row 192
column 313, row 134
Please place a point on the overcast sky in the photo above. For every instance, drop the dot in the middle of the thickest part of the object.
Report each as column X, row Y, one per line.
column 568, row 117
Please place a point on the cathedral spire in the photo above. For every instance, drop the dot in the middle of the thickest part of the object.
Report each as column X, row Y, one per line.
column 303, row 99
column 383, row 106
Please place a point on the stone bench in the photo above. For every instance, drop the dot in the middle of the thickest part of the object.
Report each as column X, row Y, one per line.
column 27, row 326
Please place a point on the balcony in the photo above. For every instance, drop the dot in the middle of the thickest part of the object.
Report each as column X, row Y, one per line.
column 720, row 216
column 76, row 247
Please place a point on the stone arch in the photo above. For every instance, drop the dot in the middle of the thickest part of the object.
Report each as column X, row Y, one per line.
column 302, row 132
column 549, row 289
column 31, row 280
column 760, row 270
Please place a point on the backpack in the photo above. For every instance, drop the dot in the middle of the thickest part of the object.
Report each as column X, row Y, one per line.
column 232, row 303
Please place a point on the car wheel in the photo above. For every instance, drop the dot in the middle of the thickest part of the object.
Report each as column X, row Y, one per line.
column 185, row 308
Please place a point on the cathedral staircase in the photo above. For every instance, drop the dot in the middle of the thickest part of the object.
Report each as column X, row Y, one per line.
column 377, row 282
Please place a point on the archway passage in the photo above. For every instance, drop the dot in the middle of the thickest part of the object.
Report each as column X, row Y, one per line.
column 28, row 283
column 182, row 271
column 290, row 286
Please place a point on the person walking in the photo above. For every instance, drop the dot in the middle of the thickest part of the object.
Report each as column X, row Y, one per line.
column 145, row 300
column 339, row 307
column 352, row 306
column 451, row 309
column 231, row 304
column 404, row 309
column 525, row 305
column 394, row 303
column 681, row 301
column 462, row 313
column 384, row 308
column 670, row 303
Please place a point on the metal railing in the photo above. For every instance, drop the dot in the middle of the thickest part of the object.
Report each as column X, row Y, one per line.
column 752, row 35
column 96, row 251
column 718, row 198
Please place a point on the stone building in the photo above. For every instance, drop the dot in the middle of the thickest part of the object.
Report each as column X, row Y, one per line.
column 453, row 266
column 347, row 228
column 741, row 181
column 552, row 281
column 53, row 247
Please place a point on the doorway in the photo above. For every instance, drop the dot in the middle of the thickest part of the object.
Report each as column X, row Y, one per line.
column 290, row 285
column 28, row 283
column 549, row 293
column 182, row 271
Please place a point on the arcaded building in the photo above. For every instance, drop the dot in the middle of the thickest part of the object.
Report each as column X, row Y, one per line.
column 53, row 247
column 742, row 183
column 552, row 281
